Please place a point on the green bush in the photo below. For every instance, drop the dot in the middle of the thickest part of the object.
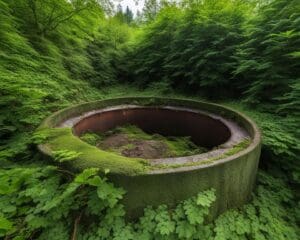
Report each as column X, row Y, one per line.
column 224, row 49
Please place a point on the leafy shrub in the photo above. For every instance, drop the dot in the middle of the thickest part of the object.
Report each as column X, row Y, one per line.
column 224, row 49
column 268, row 61
column 280, row 148
column 51, row 203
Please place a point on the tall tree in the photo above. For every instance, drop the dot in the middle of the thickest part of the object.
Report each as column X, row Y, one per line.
column 119, row 14
column 42, row 16
column 150, row 10
column 128, row 15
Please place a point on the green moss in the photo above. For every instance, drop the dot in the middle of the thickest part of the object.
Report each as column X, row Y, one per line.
column 132, row 131
column 91, row 156
column 91, row 138
column 128, row 146
column 183, row 146
column 235, row 149
column 119, row 150
column 176, row 146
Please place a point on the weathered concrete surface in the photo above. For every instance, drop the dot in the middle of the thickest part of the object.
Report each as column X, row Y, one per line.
column 206, row 129
column 232, row 176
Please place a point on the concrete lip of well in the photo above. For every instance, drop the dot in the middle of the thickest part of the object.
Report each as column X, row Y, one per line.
column 229, row 167
column 222, row 133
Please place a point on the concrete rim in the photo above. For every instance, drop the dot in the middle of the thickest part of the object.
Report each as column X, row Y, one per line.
column 255, row 132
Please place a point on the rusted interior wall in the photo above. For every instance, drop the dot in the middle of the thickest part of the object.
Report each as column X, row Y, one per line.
column 208, row 133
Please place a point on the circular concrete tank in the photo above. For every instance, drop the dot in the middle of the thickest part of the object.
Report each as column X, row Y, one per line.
column 229, row 167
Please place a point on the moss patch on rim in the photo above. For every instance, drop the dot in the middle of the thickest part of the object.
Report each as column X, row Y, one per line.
column 231, row 151
column 62, row 139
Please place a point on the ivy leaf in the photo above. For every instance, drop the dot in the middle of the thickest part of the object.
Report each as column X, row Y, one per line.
column 195, row 215
column 164, row 225
column 206, row 198
column 124, row 234
column 65, row 155
column 185, row 230
column 85, row 175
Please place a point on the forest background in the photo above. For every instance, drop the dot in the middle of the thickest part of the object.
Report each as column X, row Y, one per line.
column 54, row 53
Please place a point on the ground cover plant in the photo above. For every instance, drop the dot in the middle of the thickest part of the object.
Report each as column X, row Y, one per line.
column 54, row 53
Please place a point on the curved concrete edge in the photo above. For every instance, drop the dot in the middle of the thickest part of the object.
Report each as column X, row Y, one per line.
column 238, row 135
column 233, row 181
column 232, row 177
column 58, row 117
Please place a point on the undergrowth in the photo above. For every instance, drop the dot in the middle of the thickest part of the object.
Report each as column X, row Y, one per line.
column 51, row 203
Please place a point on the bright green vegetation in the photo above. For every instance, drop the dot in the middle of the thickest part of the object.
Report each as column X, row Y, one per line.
column 67, row 147
column 91, row 138
column 183, row 146
column 235, row 52
column 235, row 149
column 42, row 198
column 224, row 49
column 238, row 147
column 175, row 146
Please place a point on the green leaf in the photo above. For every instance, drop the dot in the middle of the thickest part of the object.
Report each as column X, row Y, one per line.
column 206, row 198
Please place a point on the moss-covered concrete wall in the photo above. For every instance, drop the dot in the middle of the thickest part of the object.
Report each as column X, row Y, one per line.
column 233, row 176
column 233, row 181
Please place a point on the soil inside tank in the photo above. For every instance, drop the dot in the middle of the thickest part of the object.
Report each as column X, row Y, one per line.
column 131, row 141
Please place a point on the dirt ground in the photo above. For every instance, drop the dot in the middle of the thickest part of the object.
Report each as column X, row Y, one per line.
column 149, row 149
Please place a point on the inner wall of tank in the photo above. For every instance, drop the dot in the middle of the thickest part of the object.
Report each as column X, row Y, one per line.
column 204, row 130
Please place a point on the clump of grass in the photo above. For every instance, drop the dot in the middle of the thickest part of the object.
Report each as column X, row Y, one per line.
column 235, row 149
column 238, row 147
column 133, row 132
column 183, row 146
column 91, row 138
column 119, row 150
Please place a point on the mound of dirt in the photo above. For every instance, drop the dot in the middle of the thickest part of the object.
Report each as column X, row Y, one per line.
column 114, row 141
column 149, row 149
column 131, row 141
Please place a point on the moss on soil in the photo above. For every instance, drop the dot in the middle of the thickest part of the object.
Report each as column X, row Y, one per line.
column 235, row 149
column 174, row 146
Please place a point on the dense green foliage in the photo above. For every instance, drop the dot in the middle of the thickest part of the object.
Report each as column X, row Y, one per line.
column 225, row 48
column 41, row 75
column 55, row 53
column 51, row 203
column 268, row 61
